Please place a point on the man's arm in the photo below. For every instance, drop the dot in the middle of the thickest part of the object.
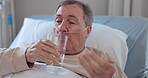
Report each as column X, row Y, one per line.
column 12, row 60
column 18, row 59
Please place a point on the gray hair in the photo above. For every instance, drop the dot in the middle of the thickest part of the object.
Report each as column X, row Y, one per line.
column 88, row 15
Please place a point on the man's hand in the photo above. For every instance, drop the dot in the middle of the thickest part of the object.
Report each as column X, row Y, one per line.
column 96, row 66
column 43, row 51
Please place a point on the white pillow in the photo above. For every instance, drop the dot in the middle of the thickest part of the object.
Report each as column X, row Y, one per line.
column 31, row 31
column 102, row 37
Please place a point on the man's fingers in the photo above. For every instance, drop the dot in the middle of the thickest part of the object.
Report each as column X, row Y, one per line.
column 34, row 54
column 49, row 43
column 43, row 59
column 85, row 63
column 48, row 56
column 108, row 63
column 48, row 49
column 96, row 65
column 47, row 46
column 101, row 59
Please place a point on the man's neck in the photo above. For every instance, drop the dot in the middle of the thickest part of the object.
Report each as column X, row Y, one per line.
column 76, row 52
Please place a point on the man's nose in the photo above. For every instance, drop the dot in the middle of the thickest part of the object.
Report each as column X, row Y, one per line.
column 63, row 27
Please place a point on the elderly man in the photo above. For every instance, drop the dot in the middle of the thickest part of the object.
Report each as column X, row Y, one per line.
column 74, row 19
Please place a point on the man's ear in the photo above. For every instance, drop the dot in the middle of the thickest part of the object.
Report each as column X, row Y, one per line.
column 89, row 28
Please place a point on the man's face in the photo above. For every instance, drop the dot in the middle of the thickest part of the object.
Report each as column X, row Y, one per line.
column 70, row 18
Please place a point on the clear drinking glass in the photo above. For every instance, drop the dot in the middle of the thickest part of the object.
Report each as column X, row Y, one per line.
column 60, row 39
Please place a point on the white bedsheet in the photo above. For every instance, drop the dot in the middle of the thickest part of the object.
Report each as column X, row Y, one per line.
column 41, row 71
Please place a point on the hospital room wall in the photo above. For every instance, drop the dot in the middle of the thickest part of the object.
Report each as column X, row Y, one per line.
column 24, row 8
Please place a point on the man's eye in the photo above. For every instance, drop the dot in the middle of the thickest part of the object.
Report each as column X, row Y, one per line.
column 58, row 21
column 71, row 22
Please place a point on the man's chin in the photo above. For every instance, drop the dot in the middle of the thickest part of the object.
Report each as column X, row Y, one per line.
column 68, row 52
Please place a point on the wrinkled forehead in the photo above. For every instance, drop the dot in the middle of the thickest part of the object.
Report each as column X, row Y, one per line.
column 70, row 10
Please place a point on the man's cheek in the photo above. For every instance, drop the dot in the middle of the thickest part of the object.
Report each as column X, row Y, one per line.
column 69, row 44
column 72, row 42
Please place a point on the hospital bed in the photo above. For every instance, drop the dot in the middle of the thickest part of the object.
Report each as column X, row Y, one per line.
column 135, row 27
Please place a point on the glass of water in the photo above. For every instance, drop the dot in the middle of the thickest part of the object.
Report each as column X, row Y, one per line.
column 60, row 39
